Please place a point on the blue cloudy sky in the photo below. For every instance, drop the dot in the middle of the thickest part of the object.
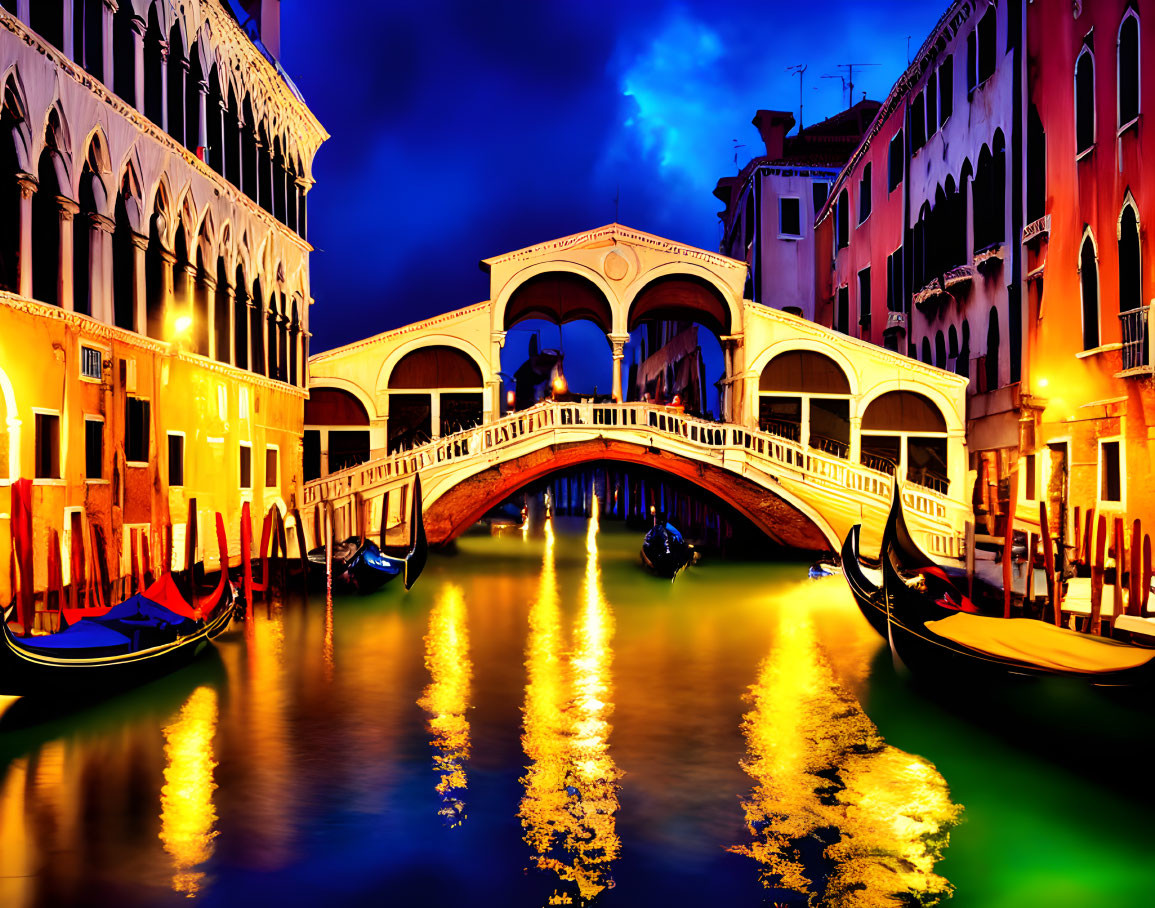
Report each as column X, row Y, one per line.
column 464, row 129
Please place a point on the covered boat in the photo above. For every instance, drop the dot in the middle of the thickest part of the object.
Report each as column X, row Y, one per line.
column 664, row 550
column 360, row 565
column 935, row 629
column 145, row 637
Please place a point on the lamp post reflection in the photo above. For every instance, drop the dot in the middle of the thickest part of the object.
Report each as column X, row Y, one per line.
column 836, row 814
column 187, row 814
column 568, row 810
column 446, row 699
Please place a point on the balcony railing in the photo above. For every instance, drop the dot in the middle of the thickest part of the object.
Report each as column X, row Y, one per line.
column 1136, row 345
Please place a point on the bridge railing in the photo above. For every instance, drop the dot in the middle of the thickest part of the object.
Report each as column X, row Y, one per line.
column 762, row 448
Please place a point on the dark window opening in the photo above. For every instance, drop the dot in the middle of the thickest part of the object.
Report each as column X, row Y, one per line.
column 781, row 416
column 830, row 425
column 311, row 457
column 1084, row 102
column 1128, row 70
column 843, row 219
column 821, row 190
column 988, row 45
column 1036, row 166
column 940, row 350
column 1110, row 472
column 1130, row 276
column 917, row 124
column 348, row 448
column 946, row 89
column 460, row 410
column 136, row 430
column 881, row 452
column 176, row 461
column 271, row 479
column 789, row 217
column 992, row 354
column 931, row 105
column 843, row 315
column 864, row 302
column 1031, row 480
column 895, row 162
column 1089, row 281
column 972, row 62
column 926, row 354
column 47, row 446
column 894, row 295
column 864, row 194
column 93, row 449
column 246, row 467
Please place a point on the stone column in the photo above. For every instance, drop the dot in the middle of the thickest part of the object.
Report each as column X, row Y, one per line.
column 64, row 283
column 231, row 297
column 202, row 118
column 139, row 284
column 100, row 268
column 254, row 192
column 27, row 184
column 139, row 27
column 106, row 13
column 69, row 45
column 220, row 138
column 210, row 290
column 168, row 289
column 617, row 346
column 164, row 85
column 855, row 454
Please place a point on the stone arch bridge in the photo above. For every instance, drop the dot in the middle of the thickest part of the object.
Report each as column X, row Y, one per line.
column 815, row 426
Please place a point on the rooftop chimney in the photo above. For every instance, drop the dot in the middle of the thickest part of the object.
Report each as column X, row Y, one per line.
column 773, row 125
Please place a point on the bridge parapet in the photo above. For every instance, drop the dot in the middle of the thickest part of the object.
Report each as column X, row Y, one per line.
column 834, row 489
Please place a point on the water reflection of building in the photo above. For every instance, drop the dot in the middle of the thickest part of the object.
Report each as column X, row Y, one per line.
column 836, row 814
column 571, row 799
column 446, row 699
column 187, row 814
column 154, row 280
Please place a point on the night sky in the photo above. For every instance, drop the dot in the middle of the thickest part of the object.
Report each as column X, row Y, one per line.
column 465, row 129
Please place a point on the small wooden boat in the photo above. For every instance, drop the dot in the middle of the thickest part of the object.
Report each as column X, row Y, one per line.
column 359, row 564
column 664, row 550
column 936, row 630
column 147, row 636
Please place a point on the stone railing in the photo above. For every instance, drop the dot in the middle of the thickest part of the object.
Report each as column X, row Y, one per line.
column 643, row 423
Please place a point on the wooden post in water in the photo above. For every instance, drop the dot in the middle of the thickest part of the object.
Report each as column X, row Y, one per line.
column 1078, row 537
column 1097, row 576
column 134, row 543
column 166, row 560
column 1054, row 584
column 77, row 559
column 1135, row 570
column 969, row 543
column 1008, row 542
column 1145, row 589
column 1120, row 563
column 190, row 545
column 1029, row 577
column 328, row 549
column 55, row 580
column 302, row 547
column 247, row 557
column 1088, row 538
column 99, row 566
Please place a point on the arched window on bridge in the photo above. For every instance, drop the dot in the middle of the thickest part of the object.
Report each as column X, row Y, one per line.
column 905, row 432
column 546, row 316
column 337, row 432
column 805, row 396
column 434, row 391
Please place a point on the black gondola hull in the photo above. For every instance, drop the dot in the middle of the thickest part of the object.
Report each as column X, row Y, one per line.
column 867, row 596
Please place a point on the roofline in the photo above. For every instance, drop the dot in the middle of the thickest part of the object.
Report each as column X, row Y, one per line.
column 333, row 353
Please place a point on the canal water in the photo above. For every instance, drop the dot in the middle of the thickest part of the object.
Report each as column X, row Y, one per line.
column 539, row 722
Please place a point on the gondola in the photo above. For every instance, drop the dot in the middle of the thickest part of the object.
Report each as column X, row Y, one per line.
column 359, row 564
column 147, row 636
column 935, row 630
column 664, row 549
column 867, row 593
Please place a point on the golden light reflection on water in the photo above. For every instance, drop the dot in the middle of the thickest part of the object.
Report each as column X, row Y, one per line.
column 570, row 801
column 187, row 814
column 822, row 773
column 446, row 699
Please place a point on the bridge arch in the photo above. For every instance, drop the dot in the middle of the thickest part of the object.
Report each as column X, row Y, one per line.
column 907, row 429
column 431, row 390
column 696, row 292
column 381, row 386
column 807, row 396
column 582, row 293
column 809, row 344
column 779, row 514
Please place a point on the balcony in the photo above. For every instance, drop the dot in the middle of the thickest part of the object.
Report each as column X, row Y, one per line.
column 1037, row 229
column 1136, row 349
column 930, row 297
column 990, row 259
column 895, row 320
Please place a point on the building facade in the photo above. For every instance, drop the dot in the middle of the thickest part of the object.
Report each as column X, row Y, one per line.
column 1011, row 247
column 154, row 283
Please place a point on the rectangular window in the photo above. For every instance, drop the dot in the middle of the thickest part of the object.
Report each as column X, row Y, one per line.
column 917, row 124
column 47, row 446
column 1030, row 479
column 821, row 190
column 972, row 62
column 843, row 219
column 175, row 460
column 931, row 105
column 1110, row 472
column 864, row 301
column 895, row 162
column 843, row 314
column 894, row 281
column 864, row 194
column 246, row 467
column 946, row 89
column 136, row 430
column 93, row 449
column 789, row 217
column 270, row 468
column 91, row 363
column 988, row 46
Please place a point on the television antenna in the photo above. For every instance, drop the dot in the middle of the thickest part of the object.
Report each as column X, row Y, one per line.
column 799, row 69
column 848, row 79
column 737, row 145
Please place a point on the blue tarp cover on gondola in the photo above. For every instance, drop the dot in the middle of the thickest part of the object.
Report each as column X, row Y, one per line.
column 84, row 634
column 142, row 611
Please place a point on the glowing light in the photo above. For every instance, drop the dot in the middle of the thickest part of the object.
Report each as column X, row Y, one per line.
column 182, row 324
column 510, row 399
column 822, row 772
column 559, row 385
column 187, row 814
column 1043, row 383
column 446, row 699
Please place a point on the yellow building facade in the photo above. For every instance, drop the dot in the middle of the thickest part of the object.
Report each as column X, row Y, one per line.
column 154, row 284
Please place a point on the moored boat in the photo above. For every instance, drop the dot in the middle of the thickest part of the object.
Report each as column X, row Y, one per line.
column 867, row 592
column 664, row 549
column 935, row 629
column 360, row 565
